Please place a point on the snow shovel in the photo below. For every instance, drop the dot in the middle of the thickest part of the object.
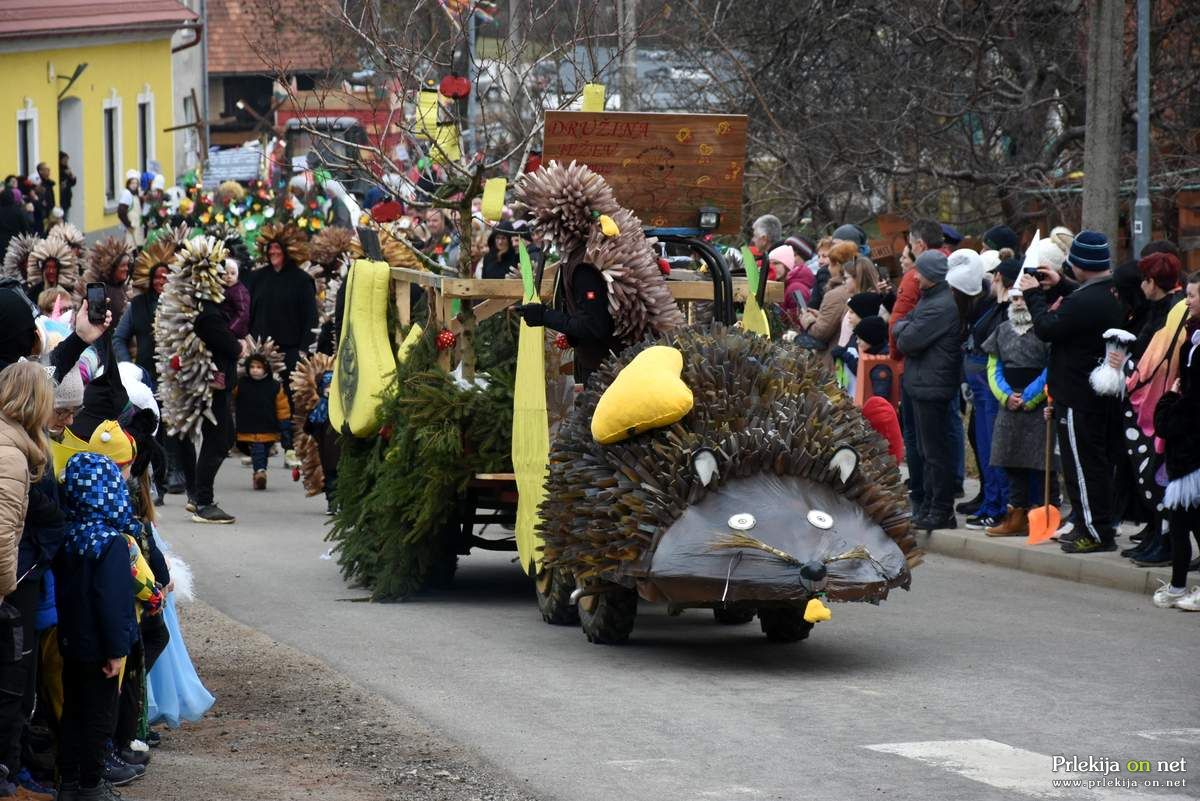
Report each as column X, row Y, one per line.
column 1045, row 519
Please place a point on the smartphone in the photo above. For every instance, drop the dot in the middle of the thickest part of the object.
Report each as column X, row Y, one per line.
column 97, row 303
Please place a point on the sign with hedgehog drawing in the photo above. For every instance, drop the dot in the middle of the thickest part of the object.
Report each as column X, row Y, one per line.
column 663, row 167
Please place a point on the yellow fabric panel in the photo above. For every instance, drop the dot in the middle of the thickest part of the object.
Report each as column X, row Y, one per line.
column 648, row 393
column 365, row 360
column 531, row 429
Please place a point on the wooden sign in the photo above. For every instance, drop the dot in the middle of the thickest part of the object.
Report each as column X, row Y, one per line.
column 663, row 167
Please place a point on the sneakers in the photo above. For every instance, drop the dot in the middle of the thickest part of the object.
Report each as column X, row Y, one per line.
column 1167, row 596
column 153, row 739
column 30, row 788
column 134, row 758
column 1067, row 530
column 117, row 772
column 981, row 522
column 1014, row 524
column 1190, row 602
column 259, row 481
column 190, row 506
column 247, row 461
column 1085, row 544
column 970, row 507
column 212, row 514
column 102, row 792
column 289, row 459
column 931, row 524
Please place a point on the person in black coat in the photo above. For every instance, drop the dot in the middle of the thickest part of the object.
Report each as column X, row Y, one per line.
column 212, row 327
column 930, row 338
column 13, row 219
column 581, row 312
column 1088, row 423
column 501, row 256
column 283, row 306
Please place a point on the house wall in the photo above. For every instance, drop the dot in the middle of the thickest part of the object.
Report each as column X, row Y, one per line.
column 120, row 70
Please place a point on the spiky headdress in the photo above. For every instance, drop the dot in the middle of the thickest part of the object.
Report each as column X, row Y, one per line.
column 176, row 236
column 103, row 258
column 231, row 192
column 769, row 413
column 329, row 247
column 291, row 238
column 264, row 349
column 53, row 248
column 20, row 247
column 159, row 254
column 567, row 203
column 68, row 233
column 306, row 393
column 185, row 365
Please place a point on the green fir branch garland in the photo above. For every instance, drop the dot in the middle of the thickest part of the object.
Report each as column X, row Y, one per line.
column 398, row 492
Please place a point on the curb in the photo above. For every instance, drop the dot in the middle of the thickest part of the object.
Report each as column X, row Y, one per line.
column 1101, row 569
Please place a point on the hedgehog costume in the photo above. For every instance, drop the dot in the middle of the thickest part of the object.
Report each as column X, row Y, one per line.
column 187, row 370
column 69, row 233
column 109, row 262
column 611, row 292
column 316, row 442
column 16, row 258
column 769, row 490
column 52, row 263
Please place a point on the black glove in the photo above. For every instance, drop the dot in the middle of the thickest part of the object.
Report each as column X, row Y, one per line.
column 534, row 314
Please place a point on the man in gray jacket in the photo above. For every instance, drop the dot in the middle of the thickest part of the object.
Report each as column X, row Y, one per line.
column 930, row 338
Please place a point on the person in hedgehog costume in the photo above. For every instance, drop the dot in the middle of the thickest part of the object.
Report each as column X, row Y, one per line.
column 611, row 292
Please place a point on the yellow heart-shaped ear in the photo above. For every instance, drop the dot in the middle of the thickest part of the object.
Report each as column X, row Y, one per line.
column 648, row 393
column 815, row 611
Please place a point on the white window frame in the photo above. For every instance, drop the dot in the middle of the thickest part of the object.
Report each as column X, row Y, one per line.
column 146, row 98
column 28, row 113
column 113, row 101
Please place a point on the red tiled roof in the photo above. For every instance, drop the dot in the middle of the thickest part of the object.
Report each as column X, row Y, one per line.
column 259, row 38
column 25, row 18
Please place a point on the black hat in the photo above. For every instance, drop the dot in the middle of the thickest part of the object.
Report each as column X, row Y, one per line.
column 865, row 304
column 873, row 332
column 951, row 234
column 1000, row 237
column 1010, row 271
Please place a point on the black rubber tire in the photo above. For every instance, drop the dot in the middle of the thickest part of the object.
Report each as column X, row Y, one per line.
column 555, row 603
column 784, row 624
column 732, row 617
column 611, row 617
column 445, row 561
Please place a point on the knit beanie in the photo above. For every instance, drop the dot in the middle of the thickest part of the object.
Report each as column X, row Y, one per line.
column 1050, row 254
column 1089, row 252
column 69, row 392
column 803, row 248
column 872, row 331
column 865, row 304
column 965, row 271
column 784, row 255
column 851, row 233
column 1000, row 237
column 933, row 266
column 1010, row 271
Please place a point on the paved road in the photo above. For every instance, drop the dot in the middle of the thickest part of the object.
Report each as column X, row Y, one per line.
column 959, row 689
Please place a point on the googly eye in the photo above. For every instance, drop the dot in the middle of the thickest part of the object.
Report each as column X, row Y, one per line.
column 742, row 522
column 105, row 436
column 819, row 519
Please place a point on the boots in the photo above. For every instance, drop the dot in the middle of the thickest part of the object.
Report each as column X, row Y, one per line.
column 1014, row 524
column 260, row 479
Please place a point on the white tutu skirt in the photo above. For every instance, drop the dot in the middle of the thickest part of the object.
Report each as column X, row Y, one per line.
column 174, row 691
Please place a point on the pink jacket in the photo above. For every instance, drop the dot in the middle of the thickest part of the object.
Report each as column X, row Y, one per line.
column 802, row 280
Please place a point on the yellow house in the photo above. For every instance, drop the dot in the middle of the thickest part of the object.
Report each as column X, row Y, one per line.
column 92, row 80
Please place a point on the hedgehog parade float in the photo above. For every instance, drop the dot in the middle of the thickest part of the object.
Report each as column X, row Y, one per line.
column 708, row 467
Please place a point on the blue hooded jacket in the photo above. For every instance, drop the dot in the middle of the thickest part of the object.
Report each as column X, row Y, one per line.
column 96, row 619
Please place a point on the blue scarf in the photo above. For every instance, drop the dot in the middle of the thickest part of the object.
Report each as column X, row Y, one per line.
column 320, row 412
column 97, row 504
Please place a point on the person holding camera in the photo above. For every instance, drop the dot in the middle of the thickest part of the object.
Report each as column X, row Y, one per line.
column 1086, row 422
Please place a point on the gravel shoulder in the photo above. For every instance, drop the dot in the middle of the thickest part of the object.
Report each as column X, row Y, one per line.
column 285, row 727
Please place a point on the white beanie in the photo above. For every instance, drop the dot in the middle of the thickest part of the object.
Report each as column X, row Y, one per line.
column 966, row 271
column 991, row 260
column 1049, row 254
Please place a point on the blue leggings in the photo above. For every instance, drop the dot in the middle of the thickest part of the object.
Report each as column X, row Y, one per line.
column 258, row 454
column 993, row 479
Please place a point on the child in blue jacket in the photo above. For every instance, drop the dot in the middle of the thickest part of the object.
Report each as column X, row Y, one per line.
column 97, row 625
